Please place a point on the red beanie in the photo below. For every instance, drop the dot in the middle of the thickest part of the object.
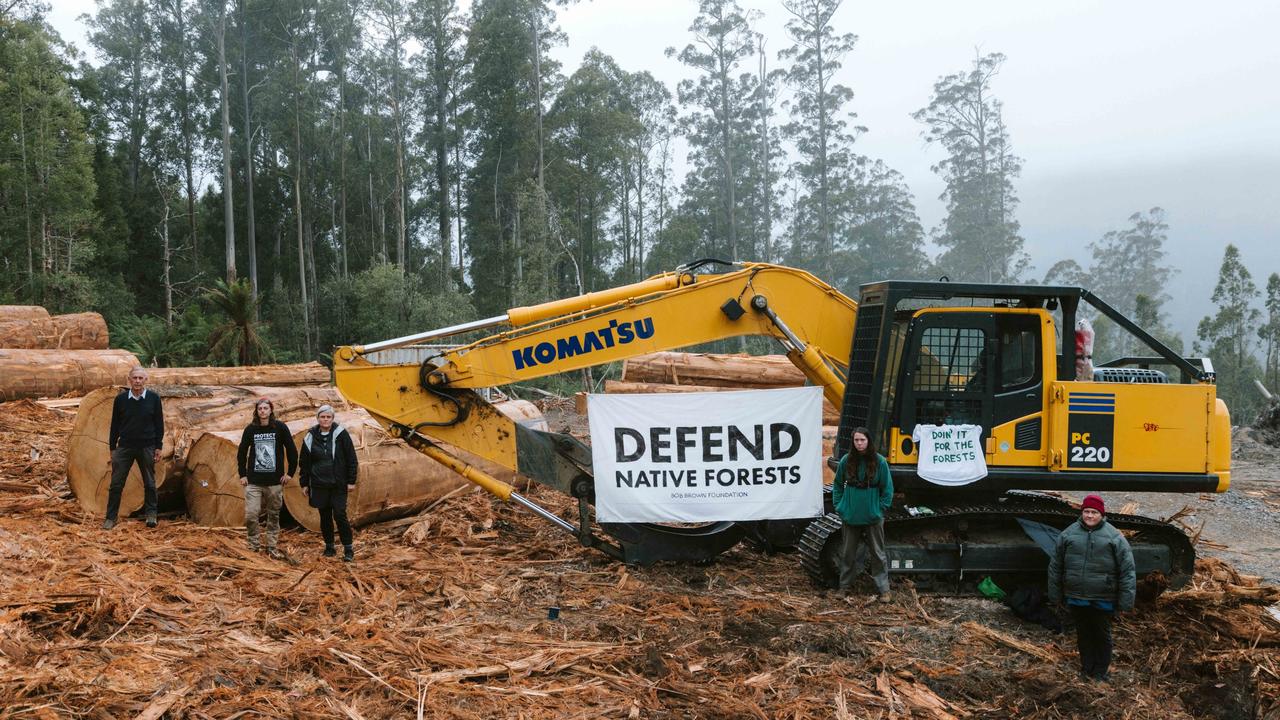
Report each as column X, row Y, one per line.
column 1095, row 502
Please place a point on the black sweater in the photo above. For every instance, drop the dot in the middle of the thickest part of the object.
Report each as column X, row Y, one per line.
column 263, row 452
column 136, row 423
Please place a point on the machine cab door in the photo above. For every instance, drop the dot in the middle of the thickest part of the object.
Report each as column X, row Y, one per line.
column 949, row 373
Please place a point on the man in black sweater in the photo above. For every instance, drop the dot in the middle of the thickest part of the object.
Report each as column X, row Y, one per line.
column 137, row 432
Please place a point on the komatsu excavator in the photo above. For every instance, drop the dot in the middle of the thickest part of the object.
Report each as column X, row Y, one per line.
column 909, row 353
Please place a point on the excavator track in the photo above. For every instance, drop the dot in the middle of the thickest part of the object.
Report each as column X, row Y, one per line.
column 955, row 547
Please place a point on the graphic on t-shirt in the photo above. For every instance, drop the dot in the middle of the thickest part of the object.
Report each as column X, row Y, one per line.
column 264, row 452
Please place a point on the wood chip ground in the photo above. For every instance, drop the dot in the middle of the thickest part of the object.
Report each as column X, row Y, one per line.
column 447, row 617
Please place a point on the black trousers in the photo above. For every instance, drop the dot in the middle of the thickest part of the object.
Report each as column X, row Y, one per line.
column 332, row 504
column 122, row 459
column 1093, row 636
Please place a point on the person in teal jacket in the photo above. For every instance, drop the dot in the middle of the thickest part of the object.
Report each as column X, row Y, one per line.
column 862, row 491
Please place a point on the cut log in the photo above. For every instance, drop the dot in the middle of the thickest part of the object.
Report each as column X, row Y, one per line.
column 312, row 373
column 22, row 312
column 188, row 411
column 81, row 331
column 51, row 373
column 214, row 495
column 829, row 433
column 395, row 480
column 829, row 414
column 737, row 371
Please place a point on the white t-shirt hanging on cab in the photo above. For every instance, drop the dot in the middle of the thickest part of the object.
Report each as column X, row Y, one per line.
column 950, row 454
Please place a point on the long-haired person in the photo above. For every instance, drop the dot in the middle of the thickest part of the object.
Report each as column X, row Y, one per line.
column 862, row 492
column 265, row 448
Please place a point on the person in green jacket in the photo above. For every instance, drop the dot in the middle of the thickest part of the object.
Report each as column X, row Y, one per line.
column 1092, row 572
column 862, row 491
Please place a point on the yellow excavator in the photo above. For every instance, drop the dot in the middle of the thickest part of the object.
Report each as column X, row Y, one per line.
column 908, row 353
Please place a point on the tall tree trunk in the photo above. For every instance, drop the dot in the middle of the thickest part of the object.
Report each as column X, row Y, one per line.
column 250, row 230
column 26, row 189
column 188, row 144
column 457, row 186
column 442, row 157
column 297, row 199
column 166, row 263
column 374, row 227
column 726, row 137
column 309, row 233
column 397, row 120
column 342, row 156
column 277, row 273
column 228, row 212
column 137, row 103
column 766, row 182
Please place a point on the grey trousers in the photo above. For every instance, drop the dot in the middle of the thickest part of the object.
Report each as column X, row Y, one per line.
column 855, row 538
column 262, row 500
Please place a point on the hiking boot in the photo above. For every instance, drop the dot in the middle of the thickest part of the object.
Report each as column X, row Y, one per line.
column 329, row 551
column 108, row 523
column 254, row 547
column 348, row 553
column 885, row 597
column 275, row 554
column 151, row 521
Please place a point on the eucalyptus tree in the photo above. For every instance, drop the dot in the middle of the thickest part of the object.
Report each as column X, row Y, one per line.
column 1229, row 336
column 642, row 167
column 47, row 184
column 437, row 25
column 1269, row 332
column 820, row 128
column 881, row 233
column 980, row 235
column 1132, row 260
column 717, row 115
column 179, row 103
column 590, row 132
column 501, row 186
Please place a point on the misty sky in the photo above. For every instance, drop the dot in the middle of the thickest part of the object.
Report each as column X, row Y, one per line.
column 1114, row 106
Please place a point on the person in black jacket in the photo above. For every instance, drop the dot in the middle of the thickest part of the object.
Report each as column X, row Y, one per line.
column 329, row 468
column 265, row 445
column 136, row 435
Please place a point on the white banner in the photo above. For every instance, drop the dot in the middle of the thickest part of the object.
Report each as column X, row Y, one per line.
column 699, row 457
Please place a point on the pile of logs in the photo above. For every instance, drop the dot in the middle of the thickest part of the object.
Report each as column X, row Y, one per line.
column 677, row 372
column 205, row 411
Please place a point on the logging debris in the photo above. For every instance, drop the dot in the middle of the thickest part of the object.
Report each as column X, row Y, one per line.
column 446, row 616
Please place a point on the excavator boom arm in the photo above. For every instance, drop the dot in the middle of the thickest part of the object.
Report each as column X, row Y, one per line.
column 812, row 319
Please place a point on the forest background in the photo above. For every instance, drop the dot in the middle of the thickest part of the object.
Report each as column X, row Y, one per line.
column 235, row 181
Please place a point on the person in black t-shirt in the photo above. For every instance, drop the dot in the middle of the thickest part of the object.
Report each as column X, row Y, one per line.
column 137, row 433
column 328, row 472
column 265, row 445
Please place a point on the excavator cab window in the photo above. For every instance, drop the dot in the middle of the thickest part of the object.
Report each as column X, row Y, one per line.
column 949, row 371
column 1021, row 385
